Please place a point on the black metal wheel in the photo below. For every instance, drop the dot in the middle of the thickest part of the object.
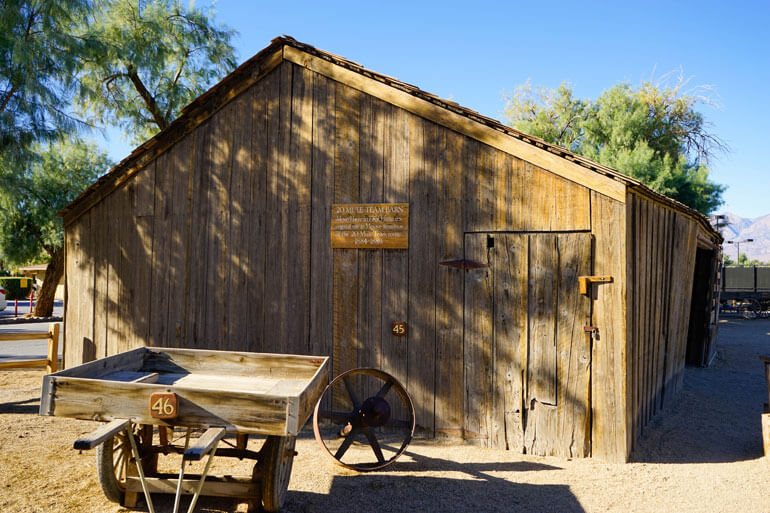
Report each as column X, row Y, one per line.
column 364, row 419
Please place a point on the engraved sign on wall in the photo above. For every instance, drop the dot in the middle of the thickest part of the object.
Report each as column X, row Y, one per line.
column 370, row 225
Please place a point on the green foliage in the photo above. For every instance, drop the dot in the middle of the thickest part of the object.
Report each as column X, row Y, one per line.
column 13, row 288
column 39, row 51
column 150, row 59
column 652, row 133
column 29, row 228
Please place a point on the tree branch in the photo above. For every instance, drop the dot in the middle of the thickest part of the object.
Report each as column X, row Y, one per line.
column 149, row 101
column 7, row 98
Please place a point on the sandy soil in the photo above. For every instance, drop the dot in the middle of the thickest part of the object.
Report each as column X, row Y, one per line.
column 703, row 454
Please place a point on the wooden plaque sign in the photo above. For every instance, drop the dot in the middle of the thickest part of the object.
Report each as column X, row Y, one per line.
column 370, row 225
column 163, row 405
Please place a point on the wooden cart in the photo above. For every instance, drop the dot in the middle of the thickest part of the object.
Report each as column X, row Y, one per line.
column 143, row 394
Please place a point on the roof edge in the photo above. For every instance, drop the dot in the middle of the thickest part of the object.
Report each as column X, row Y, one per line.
column 191, row 116
column 577, row 168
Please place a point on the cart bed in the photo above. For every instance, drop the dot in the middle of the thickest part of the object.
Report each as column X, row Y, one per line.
column 269, row 394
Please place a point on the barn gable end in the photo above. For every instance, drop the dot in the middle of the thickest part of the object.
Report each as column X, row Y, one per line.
column 216, row 234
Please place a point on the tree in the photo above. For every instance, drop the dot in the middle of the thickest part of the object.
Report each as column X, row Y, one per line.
column 150, row 59
column 39, row 49
column 652, row 133
column 29, row 228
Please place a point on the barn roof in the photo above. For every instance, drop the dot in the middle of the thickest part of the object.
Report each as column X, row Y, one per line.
column 444, row 112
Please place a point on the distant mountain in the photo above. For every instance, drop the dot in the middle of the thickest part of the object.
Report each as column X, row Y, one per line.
column 740, row 228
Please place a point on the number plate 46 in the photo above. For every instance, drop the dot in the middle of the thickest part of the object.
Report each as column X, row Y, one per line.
column 163, row 405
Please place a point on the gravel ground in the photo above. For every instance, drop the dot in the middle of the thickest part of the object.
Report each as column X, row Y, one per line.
column 702, row 454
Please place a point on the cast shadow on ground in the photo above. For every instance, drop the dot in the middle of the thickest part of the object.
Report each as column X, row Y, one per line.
column 462, row 487
column 26, row 406
column 717, row 416
column 471, row 487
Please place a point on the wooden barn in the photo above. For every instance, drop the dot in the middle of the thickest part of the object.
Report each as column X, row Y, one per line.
column 528, row 298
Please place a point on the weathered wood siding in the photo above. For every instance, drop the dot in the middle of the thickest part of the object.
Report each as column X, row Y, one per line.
column 211, row 245
column 662, row 246
column 223, row 241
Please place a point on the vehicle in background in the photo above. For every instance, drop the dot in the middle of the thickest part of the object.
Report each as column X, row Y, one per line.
column 3, row 302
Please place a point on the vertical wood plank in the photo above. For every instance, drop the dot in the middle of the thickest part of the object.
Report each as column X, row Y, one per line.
column 632, row 315
column 163, row 235
column 422, row 268
column 129, row 241
column 115, row 331
column 297, row 243
column 477, row 351
column 449, row 291
column 510, row 338
column 609, row 440
column 321, row 277
column 542, row 307
column 665, row 292
column 346, row 190
column 264, row 122
column 101, row 278
column 79, row 309
column 279, row 126
column 573, row 433
column 659, row 293
column 644, row 309
column 240, row 215
column 218, row 233
column 395, row 263
column 197, row 254
column 179, row 264
column 372, row 140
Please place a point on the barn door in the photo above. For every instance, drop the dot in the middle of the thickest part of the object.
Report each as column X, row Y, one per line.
column 527, row 357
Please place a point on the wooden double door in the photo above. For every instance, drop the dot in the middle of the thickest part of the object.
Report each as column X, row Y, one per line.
column 527, row 356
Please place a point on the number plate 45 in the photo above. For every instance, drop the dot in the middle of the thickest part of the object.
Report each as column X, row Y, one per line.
column 163, row 405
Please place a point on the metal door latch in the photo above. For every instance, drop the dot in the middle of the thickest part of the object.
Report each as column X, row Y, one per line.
column 593, row 330
column 584, row 281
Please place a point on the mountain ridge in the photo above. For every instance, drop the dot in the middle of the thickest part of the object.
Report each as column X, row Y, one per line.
column 737, row 228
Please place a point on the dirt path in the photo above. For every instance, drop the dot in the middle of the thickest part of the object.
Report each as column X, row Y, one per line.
column 704, row 454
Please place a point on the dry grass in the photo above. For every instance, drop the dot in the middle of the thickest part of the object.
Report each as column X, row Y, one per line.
column 704, row 454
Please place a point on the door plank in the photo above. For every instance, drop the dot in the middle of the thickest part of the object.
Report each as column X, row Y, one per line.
column 478, row 343
column 510, row 299
column 542, row 307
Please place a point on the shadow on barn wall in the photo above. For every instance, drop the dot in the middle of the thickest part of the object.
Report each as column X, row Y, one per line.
column 222, row 242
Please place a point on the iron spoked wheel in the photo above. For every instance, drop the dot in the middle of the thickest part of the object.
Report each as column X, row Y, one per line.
column 364, row 419
column 274, row 470
column 113, row 458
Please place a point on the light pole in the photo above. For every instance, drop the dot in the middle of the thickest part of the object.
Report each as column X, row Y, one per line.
column 738, row 246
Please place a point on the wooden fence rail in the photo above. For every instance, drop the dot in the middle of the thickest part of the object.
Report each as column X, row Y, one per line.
column 50, row 362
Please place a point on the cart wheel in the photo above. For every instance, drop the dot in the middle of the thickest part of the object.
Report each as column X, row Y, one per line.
column 750, row 309
column 275, row 470
column 112, row 460
column 369, row 406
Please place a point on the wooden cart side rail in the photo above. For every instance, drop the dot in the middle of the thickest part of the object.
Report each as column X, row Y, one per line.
column 102, row 400
column 234, row 363
column 128, row 361
column 50, row 362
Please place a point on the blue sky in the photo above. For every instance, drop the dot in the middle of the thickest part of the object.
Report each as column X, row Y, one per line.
column 474, row 52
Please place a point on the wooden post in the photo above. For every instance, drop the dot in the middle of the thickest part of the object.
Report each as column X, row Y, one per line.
column 53, row 349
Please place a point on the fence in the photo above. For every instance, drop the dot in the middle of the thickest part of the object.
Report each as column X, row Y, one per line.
column 50, row 362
